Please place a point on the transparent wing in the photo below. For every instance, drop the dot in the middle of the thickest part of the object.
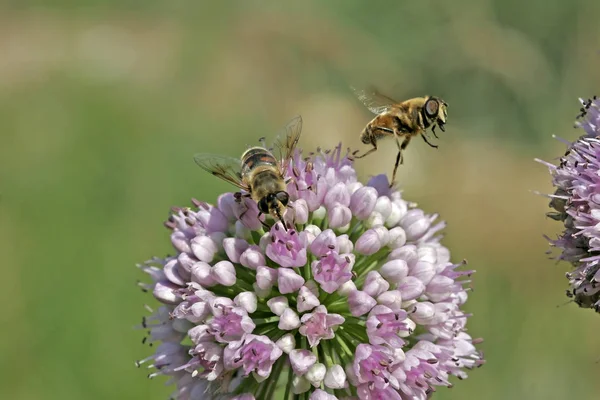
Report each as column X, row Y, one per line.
column 287, row 141
column 376, row 102
column 226, row 168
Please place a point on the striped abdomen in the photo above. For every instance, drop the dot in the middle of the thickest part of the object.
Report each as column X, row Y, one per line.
column 256, row 157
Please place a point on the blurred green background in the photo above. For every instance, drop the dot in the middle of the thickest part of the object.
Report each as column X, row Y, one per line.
column 103, row 104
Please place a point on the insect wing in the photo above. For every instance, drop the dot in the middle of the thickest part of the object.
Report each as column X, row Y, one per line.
column 226, row 168
column 376, row 102
column 288, row 140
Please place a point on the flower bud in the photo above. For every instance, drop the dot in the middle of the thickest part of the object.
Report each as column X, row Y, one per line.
column 440, row 288
column 375, row 284
column 226, row 203
column 362, row 202
column 181, row 242
column 360, row 303
column 395, row 216
column 247, row 213
column 244, row 396
column 246, row 300
column 312, row 231
column 324, row 243
column 175, row 272
column 344, row 244
column 313, row 287
column 384, row 206
column 338, row 194
column 319, row 213
column 262, row 293
column 411, row 288
column 300, row 384
column 423, row 313
column 415, row 223
column 204, row 248
column 394, row 270
column 212, row 220
column 397, row 237
column 224, row 273
column 289, row 281
column 369, row 242
column 302, row 360
column 278, row 305
column 391, row 299
column 300, row 212
column 409, row 253
column 424, row 271
column 381, row 184
column 321, row 395
column 286, row 343
column 339, row 216
column 306, row 300
column 165, row 292
column 346, row 288
column 252, row 257
column 241, row 232
column 289, row 320
column 410, row 328
column 316, row 374
column 335, row 378
column 374, row 219
column 201, row 273
column 265, row 277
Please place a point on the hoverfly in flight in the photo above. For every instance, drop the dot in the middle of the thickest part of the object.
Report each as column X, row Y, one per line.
column 400, row 119
column 258, row 172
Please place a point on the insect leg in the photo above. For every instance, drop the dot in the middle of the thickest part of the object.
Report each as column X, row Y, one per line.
column 374, row 143
column 399, row 157
column 293, row 180
column 264, row 224
column 427, row 141
column 433, row 131
column 238, row 196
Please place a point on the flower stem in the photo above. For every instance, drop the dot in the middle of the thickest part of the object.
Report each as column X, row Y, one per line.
column 263, row 321
column 327, row 352
column 345, row 349
column 271, row 382
column 288, row 385
column 266, row 329
column 368, row 264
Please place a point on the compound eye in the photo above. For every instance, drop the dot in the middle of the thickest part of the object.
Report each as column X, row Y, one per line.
column 283, row 197
column 431, row 107
column 263, row 205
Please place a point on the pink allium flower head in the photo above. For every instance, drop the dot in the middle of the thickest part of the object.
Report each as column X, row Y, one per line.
column 357, row 299
column 576, row 203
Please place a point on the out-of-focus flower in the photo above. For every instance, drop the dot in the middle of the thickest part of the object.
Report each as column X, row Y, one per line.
column 576, row 203
column 358, row 299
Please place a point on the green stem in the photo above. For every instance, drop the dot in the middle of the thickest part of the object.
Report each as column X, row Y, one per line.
column 288, row 385
column 262, row 321
column 356, row 334
column 340, row 307
column 271, row 381
column 344, row 347
column 327, row 351
column 368, row 265
column 266, row 329
column 256, row 235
